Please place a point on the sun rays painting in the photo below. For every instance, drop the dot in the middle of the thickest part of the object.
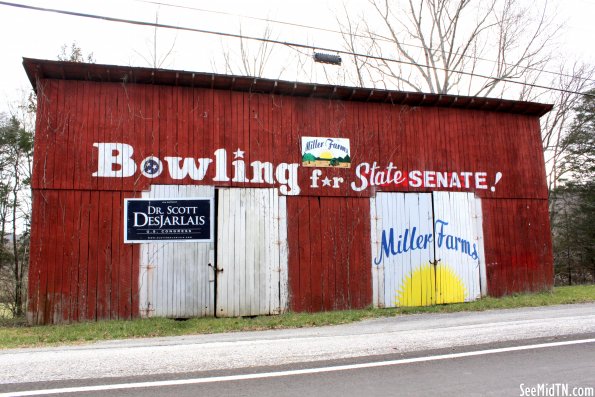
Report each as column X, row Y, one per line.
column 430, row 285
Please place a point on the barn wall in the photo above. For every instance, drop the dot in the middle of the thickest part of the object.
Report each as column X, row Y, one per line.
column 329, row 254
column 517, row 245
column 166, row 121
column 80, row 268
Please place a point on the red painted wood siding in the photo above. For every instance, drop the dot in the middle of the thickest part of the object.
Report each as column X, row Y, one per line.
column 329, row 253
column 517, row 245
column 183, row 122
column 80, row 268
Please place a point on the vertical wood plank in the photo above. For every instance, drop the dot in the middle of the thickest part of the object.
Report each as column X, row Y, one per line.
column 374, row 247
column 104, row 258
column 254, row 229
column 294, row 211
column 37, row 263
column 94, row 252
column 73, row 253
column 60, row 175
column 51, row 267
column 42, row 127
column 225, row 261
column 83, row 246
column 61, row 307
column 328, row 233
column 305, row 290
column 116, row 233
column 283, row 256
column 315, row 255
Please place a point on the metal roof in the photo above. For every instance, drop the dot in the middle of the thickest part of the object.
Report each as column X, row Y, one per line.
column 46, row 69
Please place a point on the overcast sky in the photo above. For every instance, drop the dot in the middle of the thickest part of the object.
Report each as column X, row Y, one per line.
column 35, row 34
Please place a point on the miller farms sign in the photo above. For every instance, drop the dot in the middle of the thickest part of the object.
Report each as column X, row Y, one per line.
column 325, row 152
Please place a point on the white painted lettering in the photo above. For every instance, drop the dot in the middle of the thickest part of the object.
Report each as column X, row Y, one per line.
column 262, row 172
column 239, row 171
column 337, row 182
column 441, row 179
column 429, row 179
column 188, row 168
column 415, row 178
column 467, row 175
column 480, row 180
column 286, row 175
column 454, row 180
column 221, row 166
column 114, row 154
column 360, row 170
column 314, row 178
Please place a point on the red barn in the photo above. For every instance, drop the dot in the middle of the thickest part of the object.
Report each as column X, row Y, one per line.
column 181, row 194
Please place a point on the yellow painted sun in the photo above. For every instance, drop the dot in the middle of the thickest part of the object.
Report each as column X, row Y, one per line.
column 430, row 285
column 326, row 155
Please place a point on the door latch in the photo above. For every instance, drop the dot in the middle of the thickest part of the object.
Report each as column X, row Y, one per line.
column 216, row 269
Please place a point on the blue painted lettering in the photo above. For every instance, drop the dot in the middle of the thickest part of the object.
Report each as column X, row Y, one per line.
column 388, row 246
column 411, row 241
column 428, row 238
column 405, row 242
column 405, row 239
column 440, row 232
column 419, row 241
column 449, row 242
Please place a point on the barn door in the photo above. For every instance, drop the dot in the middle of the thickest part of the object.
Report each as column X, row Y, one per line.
column 400, row 265
column 175, row 278
column 459, row 246
column 251, row 252
column 427, row 248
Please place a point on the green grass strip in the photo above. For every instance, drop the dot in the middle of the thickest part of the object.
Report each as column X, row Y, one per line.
column 15, row 333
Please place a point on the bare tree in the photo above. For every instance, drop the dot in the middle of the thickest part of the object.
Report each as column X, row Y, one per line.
column 154, row 58
column 352, row 31
column 251, row 59
column 470, row 47
column 448, row 46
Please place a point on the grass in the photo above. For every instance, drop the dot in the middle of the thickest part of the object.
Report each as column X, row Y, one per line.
column 15, row 333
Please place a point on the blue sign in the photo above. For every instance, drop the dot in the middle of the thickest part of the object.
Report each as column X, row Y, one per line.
column 167, row 220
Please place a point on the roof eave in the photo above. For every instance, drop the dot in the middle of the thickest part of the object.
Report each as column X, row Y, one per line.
column 38, row 69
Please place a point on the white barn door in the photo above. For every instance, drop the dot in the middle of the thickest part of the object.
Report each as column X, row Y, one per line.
column 401, row 246
column 175, row 278
column 458, row 232
column 427, row 248
column 251, row 252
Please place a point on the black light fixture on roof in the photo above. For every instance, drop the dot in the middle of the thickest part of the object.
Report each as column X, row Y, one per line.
column 327, row 58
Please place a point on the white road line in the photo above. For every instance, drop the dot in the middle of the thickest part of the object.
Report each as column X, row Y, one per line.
column 178, row 382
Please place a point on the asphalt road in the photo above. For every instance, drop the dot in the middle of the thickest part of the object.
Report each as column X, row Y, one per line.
column 342, row 360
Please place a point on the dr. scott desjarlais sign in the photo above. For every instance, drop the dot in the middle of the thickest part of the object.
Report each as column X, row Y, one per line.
column 163, row 220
